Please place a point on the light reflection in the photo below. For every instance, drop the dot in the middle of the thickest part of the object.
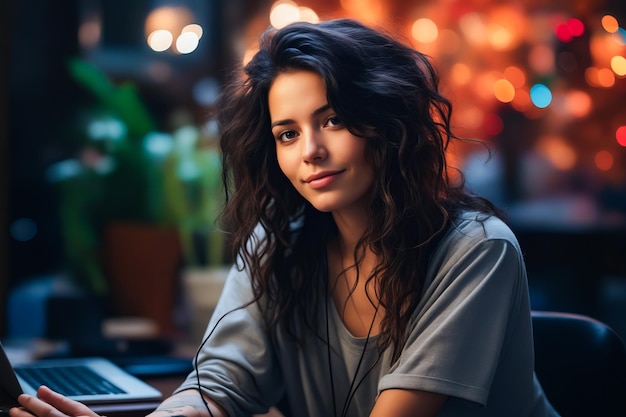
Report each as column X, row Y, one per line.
column 473, row 27
column 609, row 23
column 541, row 59
column 620, row 135
column 461, row 73
column 578, row 103
column 424, row 30
column 284, row 13
column 508, row 25
column 540, row 95
column 521, row 102
column 556, row 150
column 160, row 40
column 604, row 160
column 618, row 65
column 308, row 15
column 172, row 25
column 158, row 144
column 515, row 75
column 23, row 229
column 500, row 37
column 187, row 42
column 89, row 33
column 503, row 90
column 194, row 28
column 606, row 78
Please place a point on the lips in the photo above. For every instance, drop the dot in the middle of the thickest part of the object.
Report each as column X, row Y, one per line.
column 322, row 179
column 320, row 175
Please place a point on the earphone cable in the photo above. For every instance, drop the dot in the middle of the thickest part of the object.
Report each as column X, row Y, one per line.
column 195, row 361
column 330, row 368
column 352, row 390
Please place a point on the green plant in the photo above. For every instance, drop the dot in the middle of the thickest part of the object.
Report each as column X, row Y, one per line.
column 128, row 170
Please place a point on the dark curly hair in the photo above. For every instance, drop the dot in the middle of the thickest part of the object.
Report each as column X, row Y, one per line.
column 383, row 91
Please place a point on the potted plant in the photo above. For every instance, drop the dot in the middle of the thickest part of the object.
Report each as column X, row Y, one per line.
column 137, row 202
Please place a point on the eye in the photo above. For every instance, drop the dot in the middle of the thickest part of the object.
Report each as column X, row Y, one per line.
column 286, row 136
column 333, row 121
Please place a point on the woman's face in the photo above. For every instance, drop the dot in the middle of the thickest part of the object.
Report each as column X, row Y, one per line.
column 321, row 158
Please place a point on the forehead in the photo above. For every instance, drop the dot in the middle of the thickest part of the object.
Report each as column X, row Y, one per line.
column 296, row 90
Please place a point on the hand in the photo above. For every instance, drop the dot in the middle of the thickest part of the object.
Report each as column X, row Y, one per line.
column 187, row 403
column 49, row 404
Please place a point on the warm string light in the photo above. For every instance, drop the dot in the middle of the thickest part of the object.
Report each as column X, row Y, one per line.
column 172, row 28
column 485, row 69
column 284, row 12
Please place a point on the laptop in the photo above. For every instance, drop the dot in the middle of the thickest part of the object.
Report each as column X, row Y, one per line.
column 90, row 380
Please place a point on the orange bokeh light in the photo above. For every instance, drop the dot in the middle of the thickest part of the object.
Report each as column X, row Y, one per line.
column 556, row 150
column 504, row 90
column 604, row 160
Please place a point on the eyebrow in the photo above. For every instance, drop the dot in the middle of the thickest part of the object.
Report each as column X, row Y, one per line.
column 290, row 121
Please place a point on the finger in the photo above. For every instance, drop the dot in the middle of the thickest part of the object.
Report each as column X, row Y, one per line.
column 19, row 412
column 34, row 406
column 62, row 403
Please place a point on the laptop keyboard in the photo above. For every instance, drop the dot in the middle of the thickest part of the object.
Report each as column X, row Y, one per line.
column 68, row 380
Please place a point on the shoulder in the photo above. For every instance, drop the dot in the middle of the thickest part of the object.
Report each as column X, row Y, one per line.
column 471, row 228
column 479, row 243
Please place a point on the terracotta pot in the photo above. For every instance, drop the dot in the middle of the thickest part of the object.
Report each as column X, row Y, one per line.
column 142, row 264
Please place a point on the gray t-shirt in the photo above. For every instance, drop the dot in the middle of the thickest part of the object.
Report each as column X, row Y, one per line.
column 470, row 338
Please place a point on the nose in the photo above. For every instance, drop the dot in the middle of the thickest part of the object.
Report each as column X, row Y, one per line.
column 314, row 147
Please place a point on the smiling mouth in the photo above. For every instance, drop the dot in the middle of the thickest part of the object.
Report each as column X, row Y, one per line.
column 323, row 179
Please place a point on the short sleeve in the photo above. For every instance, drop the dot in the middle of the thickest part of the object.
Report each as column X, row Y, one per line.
column 236, row 364
column 461, row 325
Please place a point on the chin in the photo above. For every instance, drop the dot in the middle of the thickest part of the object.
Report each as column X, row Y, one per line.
column 324, row 206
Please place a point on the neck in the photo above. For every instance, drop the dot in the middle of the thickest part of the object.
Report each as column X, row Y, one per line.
column 351, row 227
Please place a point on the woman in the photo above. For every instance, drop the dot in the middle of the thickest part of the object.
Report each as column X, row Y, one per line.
column 367, row 282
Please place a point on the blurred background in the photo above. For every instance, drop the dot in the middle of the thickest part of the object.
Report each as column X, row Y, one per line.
column 110, row 170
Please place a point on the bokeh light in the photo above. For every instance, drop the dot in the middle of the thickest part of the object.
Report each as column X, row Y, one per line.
column 23, row 229
column 308, row 15
column 556, row 150
column 493, row 124
column 424, row 30
column 540, row 95
column 609, row 23
column 460, row 73
column 620, row 135
column 89, row 33
column 515, row 75
column 541, row 59
column 194, row 28
column 504, row 91
column 618, row 65
column 187, row 42
column 172, row 25
column 604, row 160
column 606, row 77
column 473, row 27
column 578, row 103
column 160, row 40
column 284, row 13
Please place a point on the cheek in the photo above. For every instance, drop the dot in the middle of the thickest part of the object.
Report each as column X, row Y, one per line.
column 286, row 164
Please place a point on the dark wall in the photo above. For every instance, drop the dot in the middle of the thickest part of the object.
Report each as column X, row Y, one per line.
column 41, row 96
column 4, row 181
